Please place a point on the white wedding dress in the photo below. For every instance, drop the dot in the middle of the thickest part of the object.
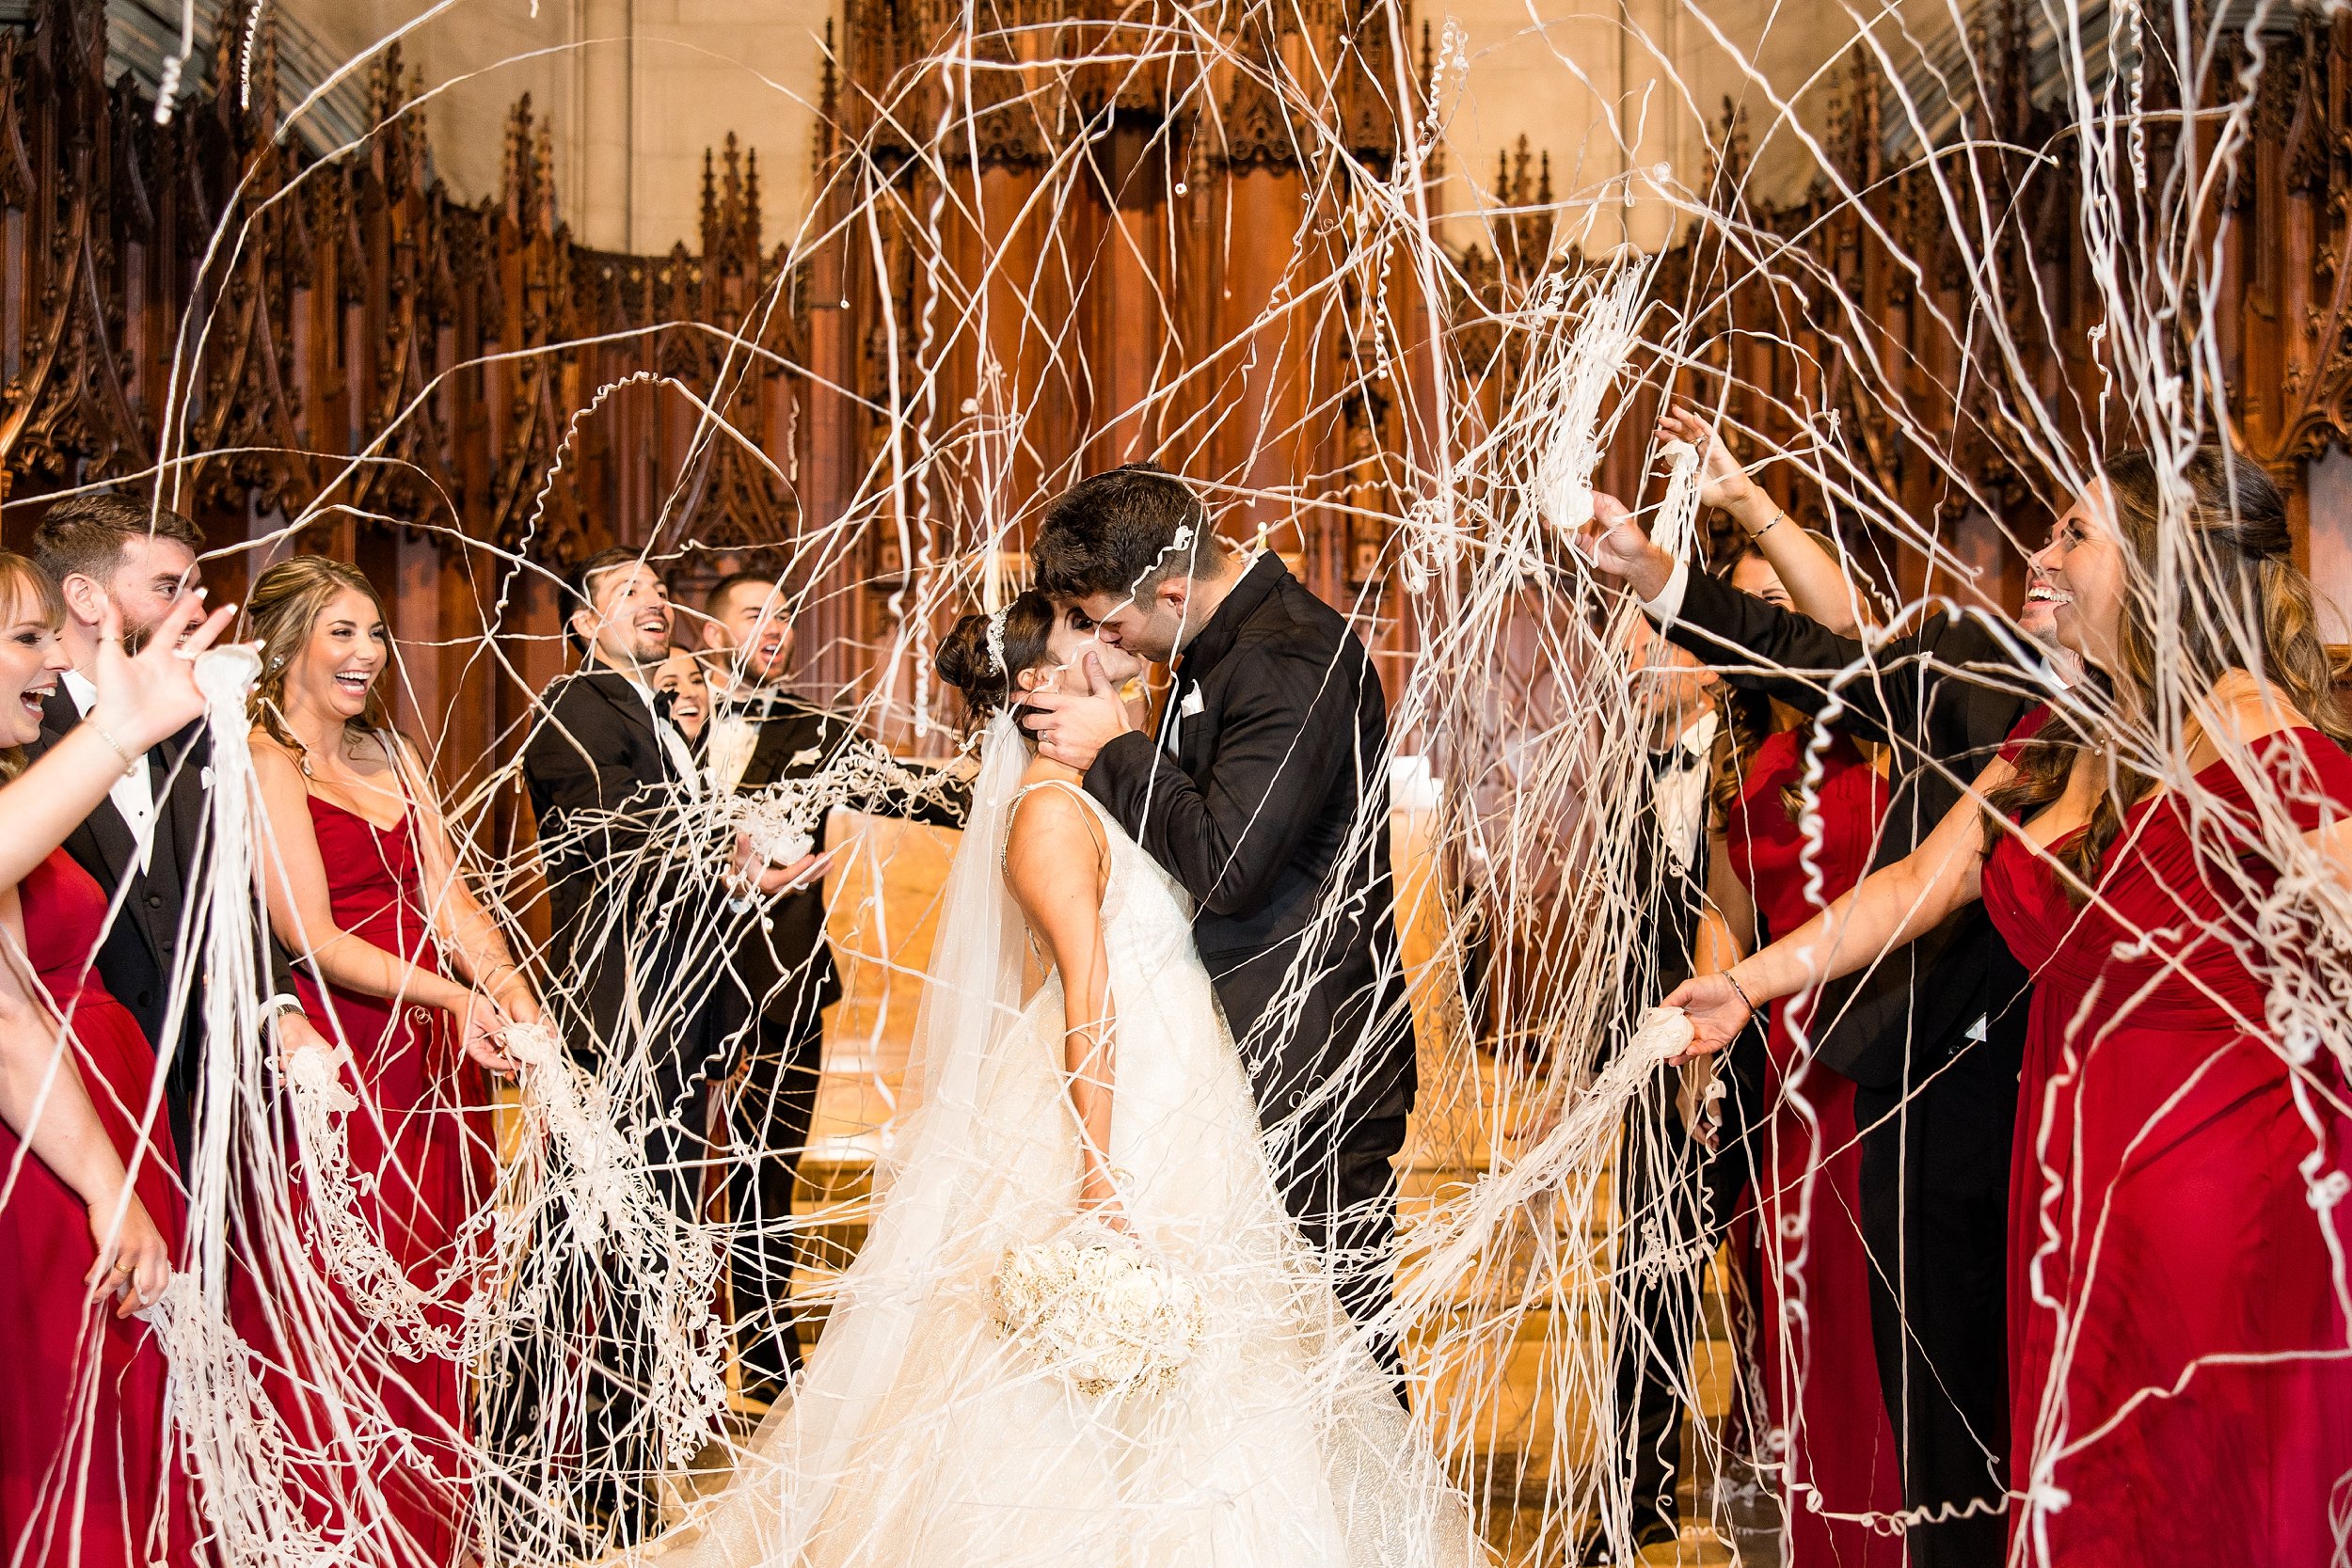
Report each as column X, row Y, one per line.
column 919, row 1434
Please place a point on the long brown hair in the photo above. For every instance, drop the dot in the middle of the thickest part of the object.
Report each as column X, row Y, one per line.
column 1748, row 721
column 20, row 579
column 281, row 611
column 2242, row 561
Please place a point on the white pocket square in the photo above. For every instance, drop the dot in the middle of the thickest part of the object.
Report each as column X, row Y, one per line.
column 1190, row 706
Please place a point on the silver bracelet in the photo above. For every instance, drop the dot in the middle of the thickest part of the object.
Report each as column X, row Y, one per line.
column 1740, row 991
column 1777, row 519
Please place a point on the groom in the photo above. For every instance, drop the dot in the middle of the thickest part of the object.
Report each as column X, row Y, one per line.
column 1266, row 796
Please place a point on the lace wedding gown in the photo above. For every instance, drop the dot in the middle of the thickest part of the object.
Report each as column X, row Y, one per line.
column 920, row 1435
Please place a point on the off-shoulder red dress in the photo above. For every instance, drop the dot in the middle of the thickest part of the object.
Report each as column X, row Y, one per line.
column 420, row 1144
column 2181, row 1358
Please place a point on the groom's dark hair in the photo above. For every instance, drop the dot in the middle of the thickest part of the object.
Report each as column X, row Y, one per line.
column 1117, row 533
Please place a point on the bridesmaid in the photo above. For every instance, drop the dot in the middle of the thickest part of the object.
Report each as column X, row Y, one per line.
column 1820, row 1370
column 416, row 979
column 88, row 1476
column 2181, row 1390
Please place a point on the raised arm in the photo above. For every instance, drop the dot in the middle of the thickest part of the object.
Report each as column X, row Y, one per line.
column 1887, row 909
column 44, row 1102
column 141, row 703
column 1760, row 646
column 1056, row 863
column 294, row 874
column 1817, row 585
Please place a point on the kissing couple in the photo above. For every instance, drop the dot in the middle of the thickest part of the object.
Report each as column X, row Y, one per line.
column 1123, row 909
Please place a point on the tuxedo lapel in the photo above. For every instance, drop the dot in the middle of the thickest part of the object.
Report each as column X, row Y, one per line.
column 178, row 777
column 621, row 696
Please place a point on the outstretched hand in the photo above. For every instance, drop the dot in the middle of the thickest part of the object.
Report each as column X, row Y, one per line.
column 753, row 873
column 1615, row 547
column 1716, row 1012
column 148, row 698
column 1082, row 717
column 1722, row 481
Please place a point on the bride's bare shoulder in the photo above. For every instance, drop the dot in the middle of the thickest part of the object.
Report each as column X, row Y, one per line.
column 1053, row 834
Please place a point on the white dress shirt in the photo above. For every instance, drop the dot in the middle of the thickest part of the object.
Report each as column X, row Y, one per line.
column 681, row 755
column 133, row 794
column 1669, row 601
column 1680, row 796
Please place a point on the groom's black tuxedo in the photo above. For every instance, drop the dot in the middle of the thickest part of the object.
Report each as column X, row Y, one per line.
column 1278, row 735
column 1270, row 804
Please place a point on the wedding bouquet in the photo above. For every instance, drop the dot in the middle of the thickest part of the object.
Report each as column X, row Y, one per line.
column 1096, row 1308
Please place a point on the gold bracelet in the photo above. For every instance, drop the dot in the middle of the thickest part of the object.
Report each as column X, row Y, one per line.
column 129, row 758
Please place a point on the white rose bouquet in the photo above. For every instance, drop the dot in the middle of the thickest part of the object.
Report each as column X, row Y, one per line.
column 1095, row 1307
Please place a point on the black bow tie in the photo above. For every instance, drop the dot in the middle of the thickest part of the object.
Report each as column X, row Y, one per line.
column 760, row 705
column 1673, row 759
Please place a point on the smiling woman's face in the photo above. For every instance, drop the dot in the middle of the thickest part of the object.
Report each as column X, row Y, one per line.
column 2081, row 575
column 1754, row 576
column 346, row 654
column 31, row 658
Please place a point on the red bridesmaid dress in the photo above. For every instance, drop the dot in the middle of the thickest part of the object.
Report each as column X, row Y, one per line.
column 421, row 1145
column 2162, row 1230
column 89, row 1471
column 1822, row 1390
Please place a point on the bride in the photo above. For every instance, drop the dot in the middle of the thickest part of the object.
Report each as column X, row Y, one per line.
column 1111, row 1096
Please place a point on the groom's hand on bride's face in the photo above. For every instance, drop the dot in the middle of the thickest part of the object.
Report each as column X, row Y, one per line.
column 1082, row 717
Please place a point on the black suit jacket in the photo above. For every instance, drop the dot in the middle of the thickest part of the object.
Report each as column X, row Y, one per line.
column 142, row 943
column 1944, row 697
column 620, row 900
column 783, row 962
column 1253, row 814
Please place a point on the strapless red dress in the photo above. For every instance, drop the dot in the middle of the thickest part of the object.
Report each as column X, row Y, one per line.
column 2181, row 1377
column 421, row 1143
column 1820, row 1380
column 88, row 1476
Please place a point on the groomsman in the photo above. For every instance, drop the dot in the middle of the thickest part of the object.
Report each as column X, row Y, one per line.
column 637, row 952
column 1675, row 1192
column 148, row 833
column 759, row 734
column 1931, row 1033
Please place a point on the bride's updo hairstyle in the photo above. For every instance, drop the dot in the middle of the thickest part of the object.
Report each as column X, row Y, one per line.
column 967, row 663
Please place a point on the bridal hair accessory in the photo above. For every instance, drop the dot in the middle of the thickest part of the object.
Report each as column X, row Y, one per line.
column 996, row 644
column 1092, row 1307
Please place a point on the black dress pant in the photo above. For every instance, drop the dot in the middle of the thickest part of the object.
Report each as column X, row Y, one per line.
column 564, row 1407
column 1340, row 1186
column 1675, row 1196
column 1935, row 1218
column 769, row 1105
